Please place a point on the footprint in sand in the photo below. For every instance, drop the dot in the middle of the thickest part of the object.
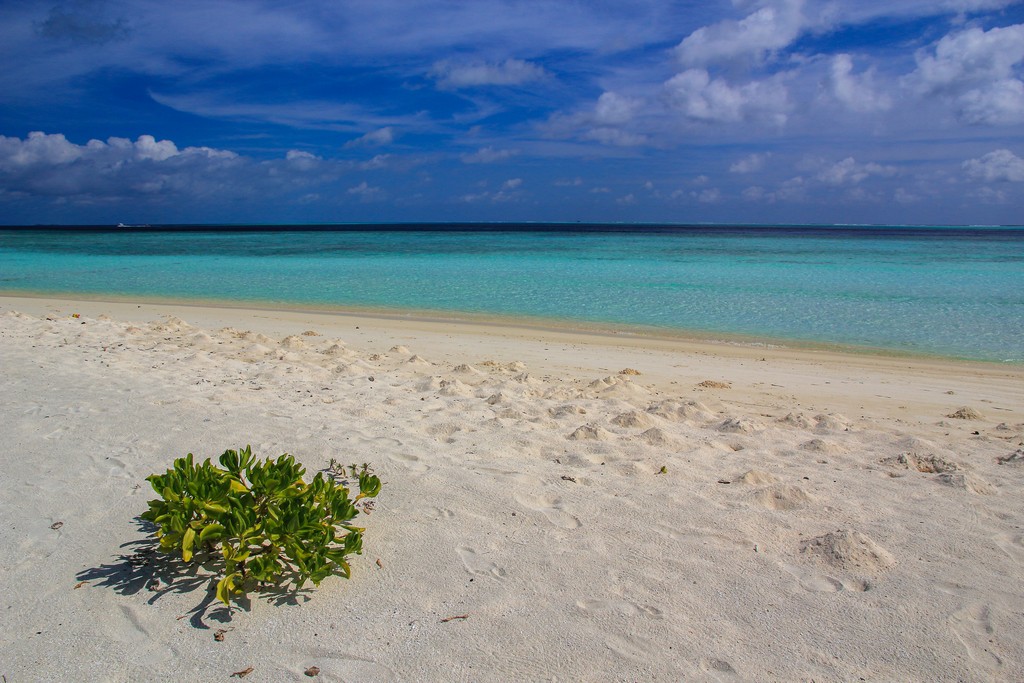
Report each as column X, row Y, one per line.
column 477, row 564
column 720, row 669
column 1012, row 544
column 618, row 606
column 632, row 647
column 813, row 582
column 973, row 627
column 409, row 461
column 551, row 507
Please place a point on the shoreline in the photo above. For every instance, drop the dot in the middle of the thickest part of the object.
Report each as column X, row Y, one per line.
column 525, row 323
column 854, row 383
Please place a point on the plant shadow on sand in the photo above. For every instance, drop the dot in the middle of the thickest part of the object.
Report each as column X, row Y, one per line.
column 143, row 567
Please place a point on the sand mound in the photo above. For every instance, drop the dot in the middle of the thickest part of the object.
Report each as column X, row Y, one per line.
column 655, row 437
column 833, row 422
column 613, row 386
column 848, row 550
column 632, row 418
column 466, row 369
column 966, row 482
column 677, row 411
column 757, row 478
column 629, row 371
column 453, row 387
column 783, row 497
column 930, row 464
column 514, row 366
column 966, row 413
column 590, row 433
column 398, row 348
column 418, row 360
column 1015, row 458
column 254, row 352
column 293, row 342
column 797, row 420
column 740, row 425
column 822, row 446
column 565, row 411
column 712, row 384
column 334, row 350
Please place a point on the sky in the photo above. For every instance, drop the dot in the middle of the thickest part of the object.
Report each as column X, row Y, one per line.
column 741, row 111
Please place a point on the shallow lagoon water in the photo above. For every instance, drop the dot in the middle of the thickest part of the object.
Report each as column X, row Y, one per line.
column 947, row 291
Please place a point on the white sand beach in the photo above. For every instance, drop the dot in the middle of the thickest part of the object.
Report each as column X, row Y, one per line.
column 587, row 507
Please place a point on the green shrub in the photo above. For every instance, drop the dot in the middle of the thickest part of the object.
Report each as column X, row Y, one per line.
column 270, row 525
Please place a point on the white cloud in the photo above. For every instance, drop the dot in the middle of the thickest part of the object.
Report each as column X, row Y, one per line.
column 512, row 183
column 750, row 163
column 970, row 58
column 614, row 109
column 1000, row 103
column 303, row 161
column 698, row 97
column 381, row 136
column 849, row 172
column 709, row 196
column 770, row 28
column 856, row 92
column 615, row 136
column 149, row 170
column 509, row 72
column 488, row 155
column 365, row 191
column 377, row 162
column 754, row 193
column 605, row 122
column 1000, row 165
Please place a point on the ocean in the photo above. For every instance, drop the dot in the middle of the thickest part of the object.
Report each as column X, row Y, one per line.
column 954, row 292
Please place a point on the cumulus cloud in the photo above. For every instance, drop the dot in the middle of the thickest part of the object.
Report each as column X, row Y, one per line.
column 770, row 28
column 1000, row 103
column 711, row 195
column 614, row 109
column 378, row 162
column 855, row 92
column 510, row 72
column 147, row 169
column 850, row 172
column 488, row 155
column 977, row 71
column 365, row 191
column 381, row 136
column 750, row 163
column 969, row 58
column 701, row 98
column 304, row 161
column 512, row 183
column 1002, row 165
column 608, row 121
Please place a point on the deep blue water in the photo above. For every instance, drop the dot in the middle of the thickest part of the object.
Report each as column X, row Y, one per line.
column 947, row 291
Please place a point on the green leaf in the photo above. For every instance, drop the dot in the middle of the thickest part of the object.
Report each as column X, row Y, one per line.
column 186, row 544
column 226, row 586
column 212, row 532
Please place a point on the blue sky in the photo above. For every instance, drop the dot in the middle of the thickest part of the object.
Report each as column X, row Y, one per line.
column 762, row 111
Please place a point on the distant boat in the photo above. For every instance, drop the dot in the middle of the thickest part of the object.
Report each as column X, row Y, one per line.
column 133, row 225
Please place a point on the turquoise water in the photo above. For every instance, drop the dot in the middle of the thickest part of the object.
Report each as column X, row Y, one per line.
column 953, row 292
